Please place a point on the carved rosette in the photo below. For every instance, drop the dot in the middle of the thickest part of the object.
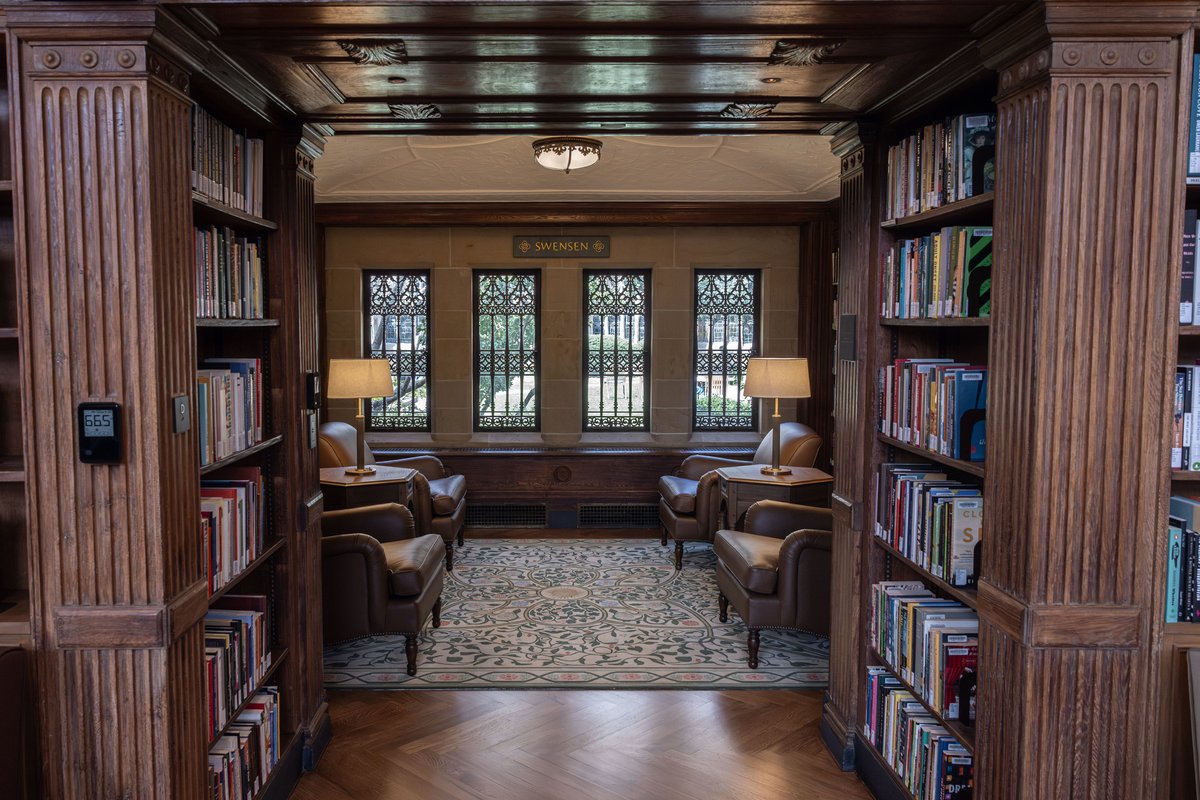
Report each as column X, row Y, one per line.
column 798, row 53
column 747, row 110
column 853, row 162
column 376, row 53
column 1146, row 58
column 415, row 111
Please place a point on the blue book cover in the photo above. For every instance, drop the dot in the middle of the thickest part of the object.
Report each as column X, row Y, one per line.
column 1174, row 567
column 1194, row 121
column 970, row 395
column 202, row 415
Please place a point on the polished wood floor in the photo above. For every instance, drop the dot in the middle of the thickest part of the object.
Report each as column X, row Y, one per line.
column 577, row 745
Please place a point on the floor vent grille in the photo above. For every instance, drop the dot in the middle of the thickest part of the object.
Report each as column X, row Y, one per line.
column 506, row 515
column 618, row 515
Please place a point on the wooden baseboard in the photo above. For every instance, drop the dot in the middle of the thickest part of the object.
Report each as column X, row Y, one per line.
column 320, row 732
column 838, row 737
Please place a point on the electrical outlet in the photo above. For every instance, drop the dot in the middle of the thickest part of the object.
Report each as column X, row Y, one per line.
column 182, row 416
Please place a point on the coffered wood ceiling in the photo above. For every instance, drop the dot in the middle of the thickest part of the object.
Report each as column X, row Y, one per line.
column 664, row 67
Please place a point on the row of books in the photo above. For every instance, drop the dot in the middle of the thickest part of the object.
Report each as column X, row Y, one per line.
column 227, row 166
column 229, row 274
column 232, row 523
column 927, row 641
column 237, row 654
column 1185, row 435
column 932, row 764
column 946, row 274
column 229, row 407
column 938, row 404
column 1183, row 561
column 240, row 762
column 934, row 521
column 942, row 163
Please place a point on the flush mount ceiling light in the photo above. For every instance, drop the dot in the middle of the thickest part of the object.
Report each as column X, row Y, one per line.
column 566, row 153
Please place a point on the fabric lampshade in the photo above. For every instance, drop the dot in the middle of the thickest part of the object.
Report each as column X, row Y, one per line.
column 351, row 378
column 777, row 377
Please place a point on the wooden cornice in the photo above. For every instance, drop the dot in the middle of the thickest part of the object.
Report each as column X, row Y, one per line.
column 422, row 214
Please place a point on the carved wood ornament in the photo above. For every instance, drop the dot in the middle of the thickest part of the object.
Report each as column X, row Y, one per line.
column 795, row 53
column 415, row 111
column 377, row 54
column 747, row 110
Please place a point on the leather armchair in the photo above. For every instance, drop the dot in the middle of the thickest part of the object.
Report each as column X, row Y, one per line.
column 378, row 576
column 439, row 500
column 689, row 504
column 13, row 691
column 776, row 573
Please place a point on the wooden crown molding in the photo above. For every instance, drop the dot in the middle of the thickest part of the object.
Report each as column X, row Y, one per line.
column 624, row 214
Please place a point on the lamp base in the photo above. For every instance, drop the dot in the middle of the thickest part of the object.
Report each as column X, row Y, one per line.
column 363, row 471
column 776, row 471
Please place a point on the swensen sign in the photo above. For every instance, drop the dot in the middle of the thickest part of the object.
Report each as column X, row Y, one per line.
column 560, row 247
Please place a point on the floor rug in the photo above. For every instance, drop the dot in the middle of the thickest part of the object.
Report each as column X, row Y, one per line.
column 600, row 613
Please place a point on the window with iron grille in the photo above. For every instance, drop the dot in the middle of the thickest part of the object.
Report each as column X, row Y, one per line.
column 507, row 358
column 616, row 357
column 727, row 324
column 396, row 327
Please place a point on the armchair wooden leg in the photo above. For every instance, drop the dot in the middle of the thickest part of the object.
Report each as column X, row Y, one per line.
column 752, row 646
column 724, row 607
column 410, row 651
column 437, row 613
column 450, row 557
column 664, row 537
column 462, row 536
column 678, row 556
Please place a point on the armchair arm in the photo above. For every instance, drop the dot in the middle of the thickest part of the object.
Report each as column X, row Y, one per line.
column 773, row 518
column 429, row 466
column 694, row 467
column 708, row 504
column 386, row 522
column 354, row 585
column 805, row 564
column 422, row 504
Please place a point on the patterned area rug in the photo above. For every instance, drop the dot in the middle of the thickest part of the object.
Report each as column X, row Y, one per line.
column 601, row 613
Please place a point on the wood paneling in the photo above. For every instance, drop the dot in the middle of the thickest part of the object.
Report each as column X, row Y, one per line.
column 814, row 319
column 1088, row 198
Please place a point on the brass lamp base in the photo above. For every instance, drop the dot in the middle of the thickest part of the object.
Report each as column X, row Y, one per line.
column 360, row 471
column 776, row 471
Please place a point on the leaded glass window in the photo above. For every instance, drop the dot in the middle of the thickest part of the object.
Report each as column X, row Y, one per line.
column 727, row 324
column 507, row 361
column 616, row 362
column 396, row 321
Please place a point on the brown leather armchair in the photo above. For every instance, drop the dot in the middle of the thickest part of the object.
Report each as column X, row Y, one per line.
column 689, row 504
column 776, row 573
column 378, row 576
column 439, row 499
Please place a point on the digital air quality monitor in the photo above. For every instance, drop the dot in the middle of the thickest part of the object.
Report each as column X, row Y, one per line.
column 100, row 433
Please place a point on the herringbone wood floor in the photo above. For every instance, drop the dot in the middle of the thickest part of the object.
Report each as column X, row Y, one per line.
column 577, row 745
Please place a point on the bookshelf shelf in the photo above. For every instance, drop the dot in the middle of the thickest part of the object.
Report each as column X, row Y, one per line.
column 14, row 621
column 6, row 186
column 206, row 210
column 945, row 322
column 239, row 455
column 261, row 559
column 9, row 333
column 878, row 774
column 965, row 735
column 210, row 322
column 1189, row 330
column 1182, row 630
column 1185, row 476
column 974, row 208
column 969, row 467
column 12, row 470
column 277, row 657
column 968, row 597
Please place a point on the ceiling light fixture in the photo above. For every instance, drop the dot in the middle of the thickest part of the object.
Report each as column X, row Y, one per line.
column 770, row 80
column 566, row 153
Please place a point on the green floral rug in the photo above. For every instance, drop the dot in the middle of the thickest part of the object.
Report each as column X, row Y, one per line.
column 601, row 613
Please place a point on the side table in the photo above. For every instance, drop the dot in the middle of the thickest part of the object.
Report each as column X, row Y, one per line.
column 386, row 485
column 742, row 487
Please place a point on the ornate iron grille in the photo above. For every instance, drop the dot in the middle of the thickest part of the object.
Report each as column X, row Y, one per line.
column 396, row 326
column 617, row 354
column 727, row 322
column 507, row 360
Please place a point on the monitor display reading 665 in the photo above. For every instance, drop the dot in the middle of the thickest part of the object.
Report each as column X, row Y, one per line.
column 100, row 433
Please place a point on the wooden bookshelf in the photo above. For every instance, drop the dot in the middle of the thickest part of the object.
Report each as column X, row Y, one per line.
column 262, row 558
column 972, row 209
column 9, row 333
column 14, row 618
column 211, row 322
column 963, row 594
column 969, row 467
column 1189, row 330
column 877, row 773
column 277, row 657
column 941, row 322
column 266, row 444
column 12, row 470
column 965, row 735
column 1185, row 476
column 205, row 210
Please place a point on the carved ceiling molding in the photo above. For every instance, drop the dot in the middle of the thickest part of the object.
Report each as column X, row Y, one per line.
column 415, row 111
column 747, row 110
column 799, row 53
column 375, row 53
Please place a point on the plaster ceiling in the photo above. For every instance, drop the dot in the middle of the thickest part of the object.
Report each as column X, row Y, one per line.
column 764, row 168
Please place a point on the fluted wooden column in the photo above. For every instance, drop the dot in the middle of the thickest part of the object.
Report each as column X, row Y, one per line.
column 106, row 241
column 1088, row 205
column 853, row 421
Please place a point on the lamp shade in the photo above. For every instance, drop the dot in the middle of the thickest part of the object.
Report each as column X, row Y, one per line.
column 358, row 378
column 777, row 377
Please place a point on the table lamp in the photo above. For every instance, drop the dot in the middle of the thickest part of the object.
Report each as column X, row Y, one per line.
column 777, row 377
column 359, row 378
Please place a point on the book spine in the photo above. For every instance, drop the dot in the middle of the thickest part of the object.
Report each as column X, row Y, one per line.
column 1174, row 547
column 1194, row 121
